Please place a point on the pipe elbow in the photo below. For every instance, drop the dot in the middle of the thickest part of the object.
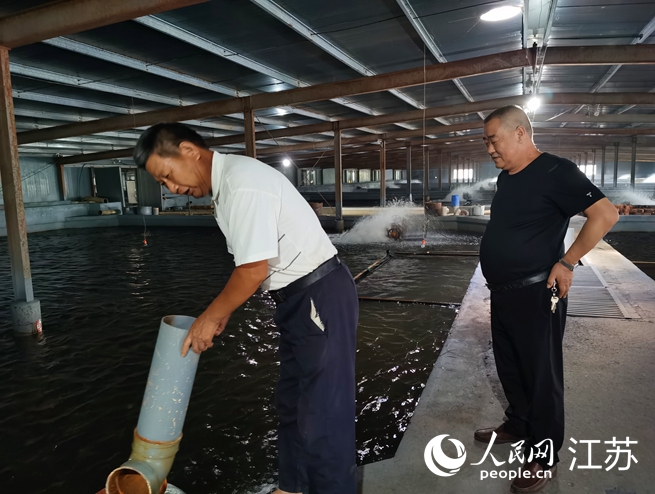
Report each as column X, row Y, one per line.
column 146, row 470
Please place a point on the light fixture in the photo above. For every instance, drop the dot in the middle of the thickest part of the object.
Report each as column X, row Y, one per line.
column 286, row 162
column 500, row 13
column 534, row 104
column 281, row 111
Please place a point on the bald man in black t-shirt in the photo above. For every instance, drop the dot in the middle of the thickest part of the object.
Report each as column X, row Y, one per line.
column 529, row 274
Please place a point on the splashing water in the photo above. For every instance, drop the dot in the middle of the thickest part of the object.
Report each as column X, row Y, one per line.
column 628, row 196
column 262, row 489
column 472, row 192
column 374, row 228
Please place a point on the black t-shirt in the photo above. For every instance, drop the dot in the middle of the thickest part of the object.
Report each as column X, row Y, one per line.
column 530, row 214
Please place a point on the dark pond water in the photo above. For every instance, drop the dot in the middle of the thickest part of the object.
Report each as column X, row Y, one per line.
column 71, row 401
column 639, row 247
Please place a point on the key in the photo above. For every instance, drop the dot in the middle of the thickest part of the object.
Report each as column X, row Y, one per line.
column 554, row 299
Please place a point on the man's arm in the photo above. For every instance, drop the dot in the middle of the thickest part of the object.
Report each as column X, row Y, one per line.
column 243, row 282
column 601, row 217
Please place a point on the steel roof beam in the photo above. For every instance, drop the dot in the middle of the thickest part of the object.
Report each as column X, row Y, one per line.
column 109, row 88
column 450, row 110
column 544, row 47
column 643, row 36
column 108, row 56
column 68, row 80
column 121, row 141
column 606, row 118
column 301, row 28
column 72, row 16
column 596, row 55
column 221, row 51
column 93, row 105
column 454, row 128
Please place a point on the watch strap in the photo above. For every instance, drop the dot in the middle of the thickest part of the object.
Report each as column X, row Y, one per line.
column 568, row 266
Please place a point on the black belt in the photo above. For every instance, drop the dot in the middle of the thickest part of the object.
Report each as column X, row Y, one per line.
column 523, row 282
column 301, row 283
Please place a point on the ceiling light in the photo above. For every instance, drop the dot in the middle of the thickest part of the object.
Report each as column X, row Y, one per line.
column 286, row 162
column 281, row 111
column 500, row 13
column 534, row 103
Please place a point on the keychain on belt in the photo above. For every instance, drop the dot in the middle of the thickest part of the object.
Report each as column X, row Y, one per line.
column 554, row 299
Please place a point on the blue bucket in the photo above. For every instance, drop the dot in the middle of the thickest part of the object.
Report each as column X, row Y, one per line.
column 454, row 201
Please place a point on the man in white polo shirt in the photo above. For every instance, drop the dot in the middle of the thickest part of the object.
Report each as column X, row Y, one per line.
column 278, row 244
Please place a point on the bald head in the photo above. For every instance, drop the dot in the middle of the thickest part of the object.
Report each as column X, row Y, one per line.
column 511, row 117
column 508, row 138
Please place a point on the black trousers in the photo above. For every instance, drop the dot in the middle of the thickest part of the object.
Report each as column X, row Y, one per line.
column 527, row 344
column 315, row 395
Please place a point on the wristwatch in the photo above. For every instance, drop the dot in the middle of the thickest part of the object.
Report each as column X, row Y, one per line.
column 568, row 266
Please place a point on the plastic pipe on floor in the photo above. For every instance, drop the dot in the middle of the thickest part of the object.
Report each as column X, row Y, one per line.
column 159, row 429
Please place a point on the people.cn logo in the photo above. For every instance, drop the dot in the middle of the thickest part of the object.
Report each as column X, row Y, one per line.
column 435, row 457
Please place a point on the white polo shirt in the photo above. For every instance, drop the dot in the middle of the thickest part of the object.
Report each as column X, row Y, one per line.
column 264, row 217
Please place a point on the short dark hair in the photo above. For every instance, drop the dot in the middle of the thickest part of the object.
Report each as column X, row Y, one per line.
column 164, row 139
column 515, row 112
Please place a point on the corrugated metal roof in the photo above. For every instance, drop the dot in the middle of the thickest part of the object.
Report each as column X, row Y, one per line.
column 247, row 29
column 375, row 33
column 599, row 22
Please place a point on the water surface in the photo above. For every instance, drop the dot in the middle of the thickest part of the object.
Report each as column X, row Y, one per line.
column 71, row 401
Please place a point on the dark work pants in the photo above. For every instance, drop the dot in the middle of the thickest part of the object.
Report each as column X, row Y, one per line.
column 315, row 395
column 527, row 344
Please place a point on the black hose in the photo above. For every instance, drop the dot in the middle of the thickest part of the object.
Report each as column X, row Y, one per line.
column 406, row 301
column 380, row 262
column 438, row 254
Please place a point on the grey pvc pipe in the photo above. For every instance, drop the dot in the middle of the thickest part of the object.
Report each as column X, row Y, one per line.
column 171, row 377
column 165, row 401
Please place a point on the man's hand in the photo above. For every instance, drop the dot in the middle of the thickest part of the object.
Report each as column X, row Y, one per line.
column 564, row 278
column 221, row 325
column 243, row 282
column 203, row 330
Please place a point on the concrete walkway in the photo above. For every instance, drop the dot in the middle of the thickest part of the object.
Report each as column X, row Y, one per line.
column 609, row 392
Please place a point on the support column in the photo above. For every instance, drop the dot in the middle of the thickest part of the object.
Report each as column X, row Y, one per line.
column 409, row 172
column 338, row 182
column 616, row 164
column 633, row 163
column 249, row 129
column 602, row 166
column 62, row 181
column 426, row 175
column 25, row 310
column 450, row 171
column 92, row 182
column 383, row 173
column 439, row 175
